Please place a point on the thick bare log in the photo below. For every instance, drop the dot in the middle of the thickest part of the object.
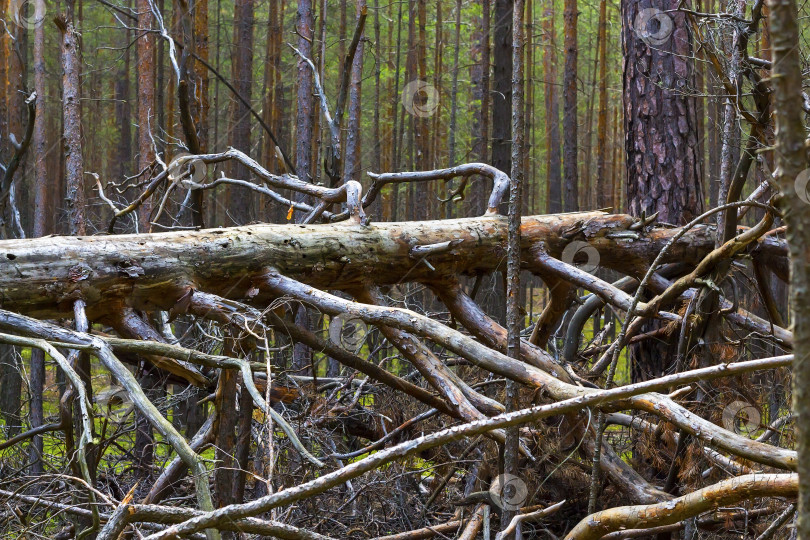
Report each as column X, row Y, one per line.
column 40, row 277
column 723, row 493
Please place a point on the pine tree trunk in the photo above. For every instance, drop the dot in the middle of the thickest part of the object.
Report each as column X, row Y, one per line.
column 41, row 228
column 604, row 189
column 351, row 163
column 553, row 157
column 661, row 140
column 791, row 161
column 660, row 120
column 147, row 117
column 479, row 77
column 240, row 200
column 570, row 119
column 502, row 86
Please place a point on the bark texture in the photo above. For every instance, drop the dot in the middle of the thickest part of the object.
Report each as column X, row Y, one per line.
column 661, row 139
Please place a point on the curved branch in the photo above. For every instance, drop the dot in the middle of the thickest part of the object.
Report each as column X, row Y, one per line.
column 723, row 493
column 499, row 178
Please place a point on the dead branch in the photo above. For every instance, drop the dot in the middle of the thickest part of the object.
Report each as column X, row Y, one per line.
column 340, row 476
column 723, row 493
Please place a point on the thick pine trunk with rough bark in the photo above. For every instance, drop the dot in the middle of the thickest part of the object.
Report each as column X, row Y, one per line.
column 661, row 138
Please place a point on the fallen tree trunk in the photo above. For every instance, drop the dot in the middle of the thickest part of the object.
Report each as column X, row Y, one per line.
column 41, row 277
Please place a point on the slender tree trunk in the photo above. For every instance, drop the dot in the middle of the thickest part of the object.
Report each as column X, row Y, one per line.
column 553, row 158
column 5, row 48
column 268, row 148
column 240, row 200
column 451, row 145
column 351, row 163
column 304, row 128
column 147, row 117
column 481, row 97
column 502, row 86
column 303, row 148
column 377, row 157
column 320, row 62
column 123, row 110
column 587, row 199
column 514, row 317
column 225, row 436
column 604, row 189
column 396, row 108
column 200, row 72
column 71, row 113
column 41, row 227
column 570, row 120
column 791, row 162
column 421, row 121
column 243, row 440
column 617, row 178
column 529, row 188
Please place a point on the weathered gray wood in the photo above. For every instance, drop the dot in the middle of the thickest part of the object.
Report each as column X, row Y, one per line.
column 41, row 277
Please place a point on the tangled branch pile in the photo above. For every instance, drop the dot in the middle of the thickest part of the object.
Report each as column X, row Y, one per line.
column 352, row 366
